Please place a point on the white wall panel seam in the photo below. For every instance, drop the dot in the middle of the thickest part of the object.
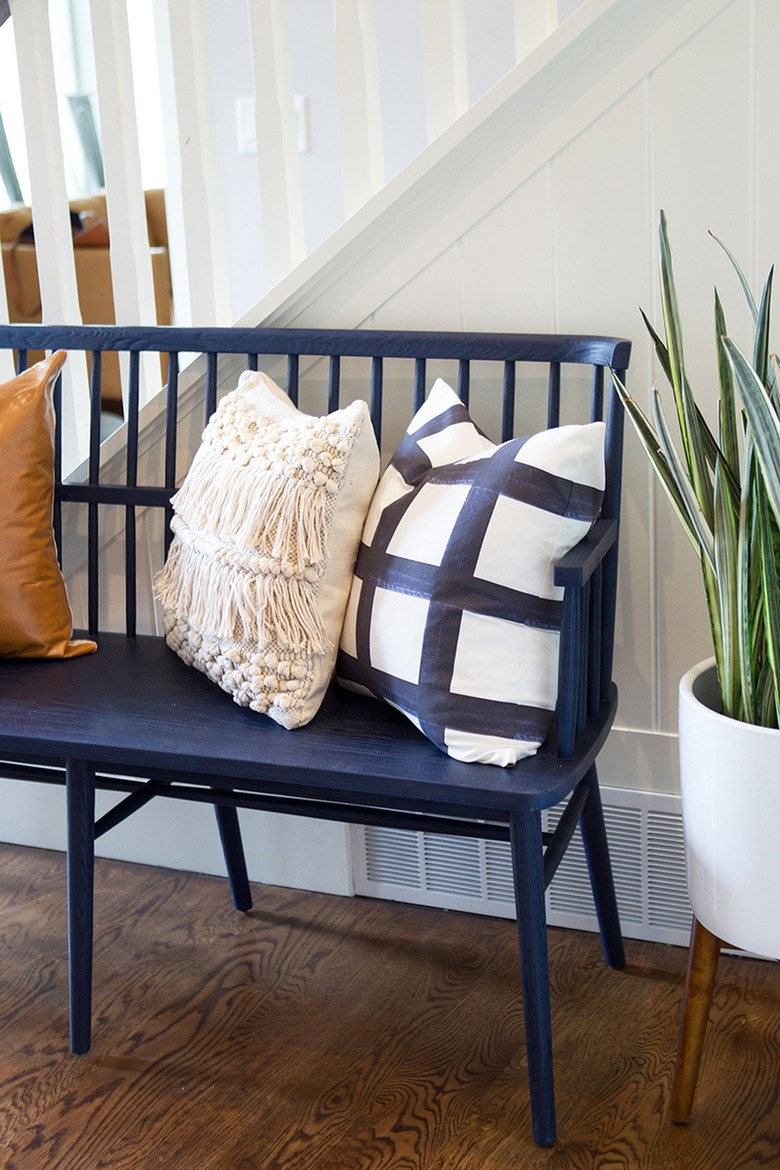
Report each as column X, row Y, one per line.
column 647, row 373
column 555, row 308
column 752, row 80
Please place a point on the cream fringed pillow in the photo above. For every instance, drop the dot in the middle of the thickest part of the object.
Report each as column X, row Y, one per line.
column 267, row 526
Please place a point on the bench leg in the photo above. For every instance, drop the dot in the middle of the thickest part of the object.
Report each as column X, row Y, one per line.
column 594, row 839
column 235, row 861
column 699, row 984
column 528, row 869
column 80, row 797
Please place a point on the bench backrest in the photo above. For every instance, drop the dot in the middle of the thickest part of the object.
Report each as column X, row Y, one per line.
column 524, row 382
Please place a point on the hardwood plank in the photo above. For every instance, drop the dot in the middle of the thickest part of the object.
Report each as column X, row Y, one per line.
column 347, row 1034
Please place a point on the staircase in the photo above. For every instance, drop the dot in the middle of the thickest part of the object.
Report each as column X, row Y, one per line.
column 226, row 76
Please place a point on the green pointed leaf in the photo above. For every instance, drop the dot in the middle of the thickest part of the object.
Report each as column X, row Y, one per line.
column 673, row 327
column 660, row 347
column 769, row 544
column 766, row 715
column 760, row 314
column 761, row 362
column 712, row 448
column 728, row 408
column 764, row 422
column 744, row 585
column 745, row 286
column 726, row 538
column 698, row 520
column 725, row 489
column 692, row 426
column 652, row 445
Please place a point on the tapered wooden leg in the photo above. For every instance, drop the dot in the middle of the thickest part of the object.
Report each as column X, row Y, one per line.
column 235, row 861
column 594, row 839
column 80, row 798
column 528, row 868
column 700, row 981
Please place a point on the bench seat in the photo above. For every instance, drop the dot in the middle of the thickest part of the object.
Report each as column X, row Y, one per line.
column 173, row 720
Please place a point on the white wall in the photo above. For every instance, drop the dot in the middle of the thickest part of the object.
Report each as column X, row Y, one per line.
column 539, row 212
column 546, row 218
column 399, row 33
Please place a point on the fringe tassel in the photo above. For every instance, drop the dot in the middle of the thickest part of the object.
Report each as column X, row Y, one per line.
column 221, row 597
column 280, row 516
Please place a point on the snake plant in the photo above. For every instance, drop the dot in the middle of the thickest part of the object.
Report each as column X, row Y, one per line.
column 725, row 488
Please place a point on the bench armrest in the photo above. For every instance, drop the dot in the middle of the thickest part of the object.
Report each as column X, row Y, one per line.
column 578, row 566
column 586, row 575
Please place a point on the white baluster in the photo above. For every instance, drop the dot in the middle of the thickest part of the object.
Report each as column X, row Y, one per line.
column 534, row 20
column 360, row 115
column 276, row 134
column 201, row 291
column 7, row 368
column 446, row 63
column 131, row 264
column 6, row 355
column 53, row 236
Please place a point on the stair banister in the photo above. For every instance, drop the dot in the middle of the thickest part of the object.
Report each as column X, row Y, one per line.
column 445, row 61
column 134, row 301
column 360, row 114
column 195, row 213
column 276, row 137
column 49, row 200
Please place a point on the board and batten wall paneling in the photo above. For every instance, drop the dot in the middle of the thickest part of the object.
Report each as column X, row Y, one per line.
column 766, row 95
column 700, row 109
column 571, row 244
column 508, row 262
column 601, row 210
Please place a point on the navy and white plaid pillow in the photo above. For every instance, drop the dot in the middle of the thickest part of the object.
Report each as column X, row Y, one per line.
column 453, row 616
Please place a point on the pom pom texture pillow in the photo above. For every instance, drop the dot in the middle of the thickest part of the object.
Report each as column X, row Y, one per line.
column 453, row 616
column 35, row 616
column 267, row 525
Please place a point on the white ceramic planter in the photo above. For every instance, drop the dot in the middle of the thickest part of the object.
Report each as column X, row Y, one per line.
column 730, row 779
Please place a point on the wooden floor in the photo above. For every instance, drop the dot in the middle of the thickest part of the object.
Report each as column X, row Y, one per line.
column 323, row 1033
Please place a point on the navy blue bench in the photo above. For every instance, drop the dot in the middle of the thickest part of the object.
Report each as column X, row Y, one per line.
column 133, row 718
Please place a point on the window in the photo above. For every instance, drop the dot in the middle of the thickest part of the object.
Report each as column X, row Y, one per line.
column 74, row 67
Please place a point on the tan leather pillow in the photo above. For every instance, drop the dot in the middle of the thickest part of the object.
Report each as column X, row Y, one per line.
column 35, row 617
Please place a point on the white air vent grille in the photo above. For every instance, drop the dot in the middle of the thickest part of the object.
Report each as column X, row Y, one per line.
column 570, row 892
column 498, row 873
column 453, row 865
column 646, row 847
column 667, row 898
column 393, row 856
